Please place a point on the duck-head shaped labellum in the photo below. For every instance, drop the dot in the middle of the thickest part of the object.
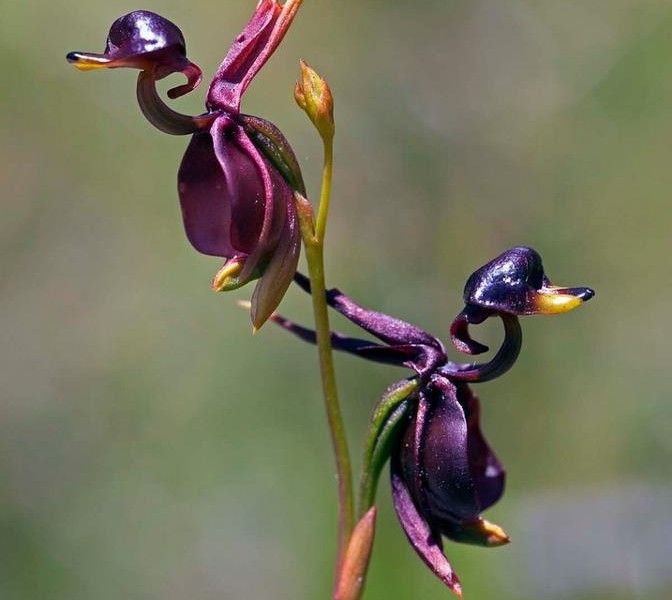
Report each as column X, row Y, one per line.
column 444, row 475
column 146, row 41
column 513, row 284
column 237, row 179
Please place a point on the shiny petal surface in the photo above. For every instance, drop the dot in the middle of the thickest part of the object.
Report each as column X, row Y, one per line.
column 260, row 196
column 487, row 472
column 447, row 487
column 425, row 541
column 205, row 198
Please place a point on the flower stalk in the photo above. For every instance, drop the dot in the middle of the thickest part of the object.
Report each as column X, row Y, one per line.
column 314, row 248
column 313, row 96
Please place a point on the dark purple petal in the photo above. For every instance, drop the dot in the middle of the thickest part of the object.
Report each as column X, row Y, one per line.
column 205, row 199
column 384, row 327
column 232, row 200
column 442, row 461
column 261, row 198
column 248, row 53
column 425, row 541
column 487, row 472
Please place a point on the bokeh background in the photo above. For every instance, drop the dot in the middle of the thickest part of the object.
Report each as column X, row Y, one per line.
column 150, row 447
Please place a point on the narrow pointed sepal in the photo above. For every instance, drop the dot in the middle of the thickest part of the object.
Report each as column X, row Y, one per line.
column 279, row 272
column 249, row 52
column 425, row 541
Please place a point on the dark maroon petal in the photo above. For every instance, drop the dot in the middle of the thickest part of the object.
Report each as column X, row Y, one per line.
column 245, row 57
column 260, row 197
column 249, row 52
column 487, row 472
column 205, row 198
column 447, row 485
column 384, row 327
column 425, row 541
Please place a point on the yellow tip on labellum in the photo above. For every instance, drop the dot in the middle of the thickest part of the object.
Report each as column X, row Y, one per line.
column 551, row 302
column 88, row 62
column 480, row 533
column 494, row 534
column 225, row 278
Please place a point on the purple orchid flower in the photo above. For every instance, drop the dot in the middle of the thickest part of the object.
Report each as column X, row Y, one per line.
column 237, row 179
column 443, row 472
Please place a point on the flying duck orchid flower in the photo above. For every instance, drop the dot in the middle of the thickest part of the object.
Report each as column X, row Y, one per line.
column 237, row 179
column 443, row 472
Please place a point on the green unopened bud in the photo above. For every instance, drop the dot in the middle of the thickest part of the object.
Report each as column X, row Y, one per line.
column 313, row 95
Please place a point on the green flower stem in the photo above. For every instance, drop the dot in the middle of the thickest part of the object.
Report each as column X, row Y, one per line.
column 313, row 240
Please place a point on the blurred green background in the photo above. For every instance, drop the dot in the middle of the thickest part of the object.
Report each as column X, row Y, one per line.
column 150, row 447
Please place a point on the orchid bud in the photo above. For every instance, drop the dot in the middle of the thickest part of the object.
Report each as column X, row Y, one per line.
column 313, row 96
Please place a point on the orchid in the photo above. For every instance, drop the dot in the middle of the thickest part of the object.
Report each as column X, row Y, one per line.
column 443, row 472
column 243, row 199
column 237, row 179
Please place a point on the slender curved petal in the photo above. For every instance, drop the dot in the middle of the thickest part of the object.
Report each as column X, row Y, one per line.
column 425, row 541
column 249, row 52
column 279, row 272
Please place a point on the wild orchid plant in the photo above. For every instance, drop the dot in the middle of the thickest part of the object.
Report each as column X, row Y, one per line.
column 243, row 199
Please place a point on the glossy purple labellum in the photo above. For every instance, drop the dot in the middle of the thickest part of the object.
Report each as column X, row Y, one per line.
column 237, row 179
column 513, row 284
column 147, row 41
